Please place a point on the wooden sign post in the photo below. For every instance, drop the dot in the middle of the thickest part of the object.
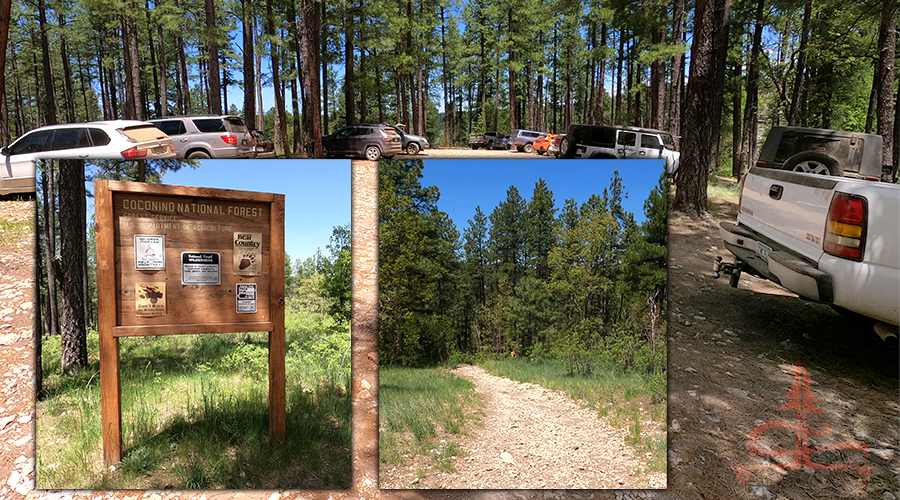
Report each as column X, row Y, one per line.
column 185, row 260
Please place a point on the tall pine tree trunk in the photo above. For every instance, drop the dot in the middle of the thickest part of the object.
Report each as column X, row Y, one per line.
column 5, row 13
column 248, row 66
column 349, row 79
column 796, row 94
column 51, row 108
column 281, row 140
column 887, row 47
column 48, row 186
column 309, row 42
column 751, row 107
column 212, row 44
column 704, row 89
column 677, row 74
column 70, row 264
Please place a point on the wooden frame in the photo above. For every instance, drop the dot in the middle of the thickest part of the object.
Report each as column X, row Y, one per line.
column 195, row 220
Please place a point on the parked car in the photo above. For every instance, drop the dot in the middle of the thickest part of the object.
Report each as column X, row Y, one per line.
column 501, row 141
column 523, row 140
column 823, row 151
column 553, row 148
column 412, row 144
column 263, row 147
column 118, row 139
column 542, row 143
column 371, row 141
column 487, row 140
column 605, row 142
column 207, row 136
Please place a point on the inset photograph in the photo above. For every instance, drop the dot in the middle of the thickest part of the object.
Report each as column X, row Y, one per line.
column 194, row 328
column 522, row 324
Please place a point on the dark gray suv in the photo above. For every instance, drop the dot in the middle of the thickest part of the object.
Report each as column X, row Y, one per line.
column 823, row 151
column 371, row 141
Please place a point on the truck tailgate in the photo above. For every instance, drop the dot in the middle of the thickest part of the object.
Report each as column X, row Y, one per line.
column 789, row 207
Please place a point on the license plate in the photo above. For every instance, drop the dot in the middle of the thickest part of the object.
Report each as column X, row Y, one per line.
column 160, row 150
column 763, row 250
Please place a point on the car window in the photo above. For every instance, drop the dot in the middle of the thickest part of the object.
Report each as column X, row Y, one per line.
column 650, row 141
column 31, row 143
column 171, row 127
column 210, row 124
column 98, row 137
column 69, row 138
column 531, row 134
column 627, row 139
column 362, row 131
column 344, row 132
column 235, row 124
column 840, row 148
column 602, row 137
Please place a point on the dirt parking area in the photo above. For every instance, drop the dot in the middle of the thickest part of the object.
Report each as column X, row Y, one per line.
column 461, row 153
column 734, row 356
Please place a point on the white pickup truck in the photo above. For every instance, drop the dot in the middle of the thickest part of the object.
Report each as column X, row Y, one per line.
column 831, row 239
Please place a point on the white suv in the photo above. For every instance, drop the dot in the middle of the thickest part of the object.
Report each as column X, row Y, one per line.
column 207, row 136
column 604, row 142
column 118, row 139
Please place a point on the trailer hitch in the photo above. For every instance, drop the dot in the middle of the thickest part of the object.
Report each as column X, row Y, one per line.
column 734, row 270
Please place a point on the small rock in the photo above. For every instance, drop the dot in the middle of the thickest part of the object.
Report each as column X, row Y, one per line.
column 675, row 426
column 692, row 394
column 690, row 370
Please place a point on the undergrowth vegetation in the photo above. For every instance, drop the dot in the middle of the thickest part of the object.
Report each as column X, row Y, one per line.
column 195, row 413
column 420, row 410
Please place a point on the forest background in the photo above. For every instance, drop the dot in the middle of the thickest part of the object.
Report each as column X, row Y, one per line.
column 717, row 73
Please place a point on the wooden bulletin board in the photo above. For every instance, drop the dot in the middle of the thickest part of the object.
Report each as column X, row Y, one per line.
column 185, row 260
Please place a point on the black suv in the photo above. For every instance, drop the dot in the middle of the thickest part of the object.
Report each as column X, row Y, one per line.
column 369, row 140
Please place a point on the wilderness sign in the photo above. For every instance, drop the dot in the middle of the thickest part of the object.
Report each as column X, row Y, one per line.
column 185, row 260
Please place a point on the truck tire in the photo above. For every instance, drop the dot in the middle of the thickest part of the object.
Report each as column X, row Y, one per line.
column 813, row 162
column 473, row 146
column 528, row 148
column 567, row 147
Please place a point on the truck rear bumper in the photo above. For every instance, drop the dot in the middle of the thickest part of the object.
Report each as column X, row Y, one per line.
column 797, row 274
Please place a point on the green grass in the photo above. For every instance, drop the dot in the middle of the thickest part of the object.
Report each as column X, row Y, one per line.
column 625, row 399
column 195, row 413
column 420, row 409
column 726, row 188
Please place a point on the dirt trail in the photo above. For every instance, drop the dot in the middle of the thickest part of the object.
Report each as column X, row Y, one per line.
column 534, row 438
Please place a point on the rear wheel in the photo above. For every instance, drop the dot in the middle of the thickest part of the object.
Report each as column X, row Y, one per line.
column 413, row 148
column 490, row 145
column 813, row 162
column 567, row 147
column 474, row 147
column 198, row 155
column 373, row 153
column 529, row 148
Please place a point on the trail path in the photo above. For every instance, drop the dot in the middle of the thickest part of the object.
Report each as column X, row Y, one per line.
column 534, row 438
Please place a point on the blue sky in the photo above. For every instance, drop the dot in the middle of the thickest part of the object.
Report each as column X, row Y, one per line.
column 465, row 184
column 317, row 193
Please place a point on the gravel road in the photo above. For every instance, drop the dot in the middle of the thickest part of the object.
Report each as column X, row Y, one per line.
column 534, row 438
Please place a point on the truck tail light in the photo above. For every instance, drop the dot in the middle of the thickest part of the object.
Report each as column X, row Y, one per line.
column 845, row 228
column 132, row 153
column 230, row 139
column 762, row 164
